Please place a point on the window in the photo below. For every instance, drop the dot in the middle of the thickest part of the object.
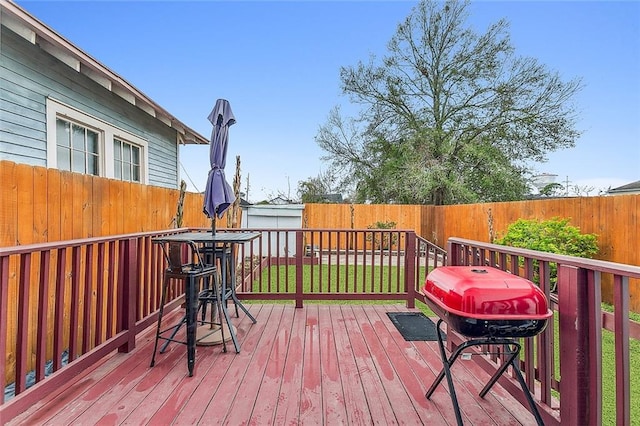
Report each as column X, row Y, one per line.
column 77, row 148
column 81, row 143
column 126, row 161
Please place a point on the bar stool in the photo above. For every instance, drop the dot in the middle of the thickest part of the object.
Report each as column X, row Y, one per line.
column 191, row 273
column 220, row 255
column 224, row 255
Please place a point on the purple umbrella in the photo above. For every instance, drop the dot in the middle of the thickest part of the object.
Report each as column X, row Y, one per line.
column 218, row 195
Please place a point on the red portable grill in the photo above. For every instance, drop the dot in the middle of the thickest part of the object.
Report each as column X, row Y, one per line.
column 490, row 306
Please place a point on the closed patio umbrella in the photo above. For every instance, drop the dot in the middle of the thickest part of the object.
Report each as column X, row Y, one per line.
column 218, row 195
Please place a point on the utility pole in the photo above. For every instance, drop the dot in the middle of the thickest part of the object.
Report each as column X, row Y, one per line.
column 247, row 190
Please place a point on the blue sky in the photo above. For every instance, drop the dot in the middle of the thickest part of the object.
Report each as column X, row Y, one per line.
column 278, row 65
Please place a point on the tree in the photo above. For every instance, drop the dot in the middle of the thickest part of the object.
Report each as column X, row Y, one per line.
column 552, row 190
column 315, row 189
column 448, row 115
column 582, row 190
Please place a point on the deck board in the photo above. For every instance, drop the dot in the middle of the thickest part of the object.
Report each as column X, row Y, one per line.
column 266, row 398
column 322, row 364
column 379, row 405
column 354, row 397
column 331, row 384
column 241, row 404
column 311, row 392
column 401, row 353
column 287, row 404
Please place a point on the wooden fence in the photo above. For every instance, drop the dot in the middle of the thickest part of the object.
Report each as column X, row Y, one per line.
column 46, row 205
column 615, row 219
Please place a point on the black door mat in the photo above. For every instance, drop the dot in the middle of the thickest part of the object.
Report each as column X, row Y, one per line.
column 414, row 326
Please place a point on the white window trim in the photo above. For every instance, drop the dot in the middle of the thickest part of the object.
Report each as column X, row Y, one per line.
column 107, row 131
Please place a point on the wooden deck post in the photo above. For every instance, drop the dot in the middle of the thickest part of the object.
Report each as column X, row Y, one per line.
column 623, row 386
column 127, row 293
column 299, row 271
column 410, row 268
column 580, row 352
column 453, row 254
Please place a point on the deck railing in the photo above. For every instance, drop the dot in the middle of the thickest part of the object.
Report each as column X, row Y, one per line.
column 337, row 265
column 66, row 305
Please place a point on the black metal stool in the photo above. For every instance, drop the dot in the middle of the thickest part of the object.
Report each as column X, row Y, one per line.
column 224, row 255
column 211, row 294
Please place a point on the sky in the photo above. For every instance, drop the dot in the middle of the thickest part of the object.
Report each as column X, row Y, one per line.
column 278, row 63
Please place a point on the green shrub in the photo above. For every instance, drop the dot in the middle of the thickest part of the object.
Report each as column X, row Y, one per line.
column 552, row 236
column 387, row 241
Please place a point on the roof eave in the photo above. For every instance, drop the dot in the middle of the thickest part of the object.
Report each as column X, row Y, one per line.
column 36, row 32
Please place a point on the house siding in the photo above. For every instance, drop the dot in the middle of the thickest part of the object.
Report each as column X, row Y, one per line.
column 29, row 75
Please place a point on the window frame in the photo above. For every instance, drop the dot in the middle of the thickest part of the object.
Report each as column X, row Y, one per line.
column 107, row 133
column 124, row 162
column 72, row 149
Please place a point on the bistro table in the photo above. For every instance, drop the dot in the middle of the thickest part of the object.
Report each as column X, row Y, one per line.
column 224, row 241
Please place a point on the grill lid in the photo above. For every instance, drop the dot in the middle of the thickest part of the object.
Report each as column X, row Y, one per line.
column 485, row 293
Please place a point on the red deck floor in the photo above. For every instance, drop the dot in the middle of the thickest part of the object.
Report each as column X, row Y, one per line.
column 322, row 364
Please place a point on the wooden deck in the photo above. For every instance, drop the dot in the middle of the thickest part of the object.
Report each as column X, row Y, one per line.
column 322, row 364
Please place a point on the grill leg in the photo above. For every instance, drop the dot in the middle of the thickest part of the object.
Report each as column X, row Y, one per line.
column 512, row 361
column 450, row 360
column 525, row 389
column 447, row 373
column 503, row 367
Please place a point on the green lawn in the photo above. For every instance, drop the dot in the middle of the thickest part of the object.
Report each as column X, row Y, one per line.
column 343, row 279
column 389, row 279
column 609, row 378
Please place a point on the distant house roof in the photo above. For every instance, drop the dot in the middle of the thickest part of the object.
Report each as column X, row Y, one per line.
column 36, row 32
column 630, row 188
column 333, row 198
column 280, row 200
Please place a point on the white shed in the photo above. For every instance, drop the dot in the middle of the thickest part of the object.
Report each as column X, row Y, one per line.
column 270, row 216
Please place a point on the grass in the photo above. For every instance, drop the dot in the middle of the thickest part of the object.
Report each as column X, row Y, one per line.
column 336, row 279
column 608, row 373
column 609, row 380
column 353, row 278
